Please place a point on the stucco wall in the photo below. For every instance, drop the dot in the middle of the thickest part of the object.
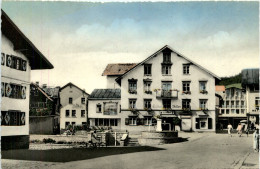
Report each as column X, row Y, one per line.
column 76, row 95
column 9, row 75
column 111, row 83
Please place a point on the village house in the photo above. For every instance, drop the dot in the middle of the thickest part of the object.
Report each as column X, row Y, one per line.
column 73, row 106
column 233, row 107
column 166, row 89
column 19, row 56
column 44, row 109
column 250, row 82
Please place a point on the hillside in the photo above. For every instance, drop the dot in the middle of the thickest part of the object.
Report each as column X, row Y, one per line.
column 230, row 80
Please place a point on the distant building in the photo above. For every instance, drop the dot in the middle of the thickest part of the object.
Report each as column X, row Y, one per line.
column 233, row 106
column 115, row 70
column 250, row 82
column 44, row 109
column 19, row 56
column 73, row 110
column 104, row 108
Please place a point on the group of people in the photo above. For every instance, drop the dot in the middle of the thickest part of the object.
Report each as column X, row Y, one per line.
column 246, row 129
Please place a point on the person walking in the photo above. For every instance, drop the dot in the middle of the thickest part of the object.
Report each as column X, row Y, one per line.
column 239, row 129
column 229, row 129
column 256, row 140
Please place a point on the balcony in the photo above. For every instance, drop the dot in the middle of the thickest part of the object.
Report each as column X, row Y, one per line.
column 167, row 94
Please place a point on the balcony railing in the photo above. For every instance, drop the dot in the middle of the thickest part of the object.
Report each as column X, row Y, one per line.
column 166, row 94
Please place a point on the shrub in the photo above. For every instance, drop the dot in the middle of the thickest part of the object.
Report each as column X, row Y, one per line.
column 48, row 140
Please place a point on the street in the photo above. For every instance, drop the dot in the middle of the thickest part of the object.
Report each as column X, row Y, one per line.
column 202, row 150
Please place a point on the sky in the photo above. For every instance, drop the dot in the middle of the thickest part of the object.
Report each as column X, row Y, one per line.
column 81, row 38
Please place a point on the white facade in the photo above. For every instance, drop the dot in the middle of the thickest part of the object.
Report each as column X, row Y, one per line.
column 72, row 112
column 111, row 82
column 17, row 77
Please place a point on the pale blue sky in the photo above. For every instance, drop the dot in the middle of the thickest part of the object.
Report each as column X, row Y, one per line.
column 81, row 38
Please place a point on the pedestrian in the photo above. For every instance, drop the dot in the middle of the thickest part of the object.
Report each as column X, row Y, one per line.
column 246, row 129
column 239, row 129
column 256, row 140
column 229, row 129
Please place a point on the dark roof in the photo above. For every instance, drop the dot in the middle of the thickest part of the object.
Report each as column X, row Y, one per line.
column 71, row 84
column 23, row 44
column 105, row 94
column 52, row 91
column 42, row 91
column 166, row 47
column 250, row 77
column 117, row 68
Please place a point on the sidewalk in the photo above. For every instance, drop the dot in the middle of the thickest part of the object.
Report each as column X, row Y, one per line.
column 251, row 160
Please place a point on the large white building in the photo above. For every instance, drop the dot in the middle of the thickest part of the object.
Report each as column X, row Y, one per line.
column 168, row 86
column 73, row 106
column 19, row 56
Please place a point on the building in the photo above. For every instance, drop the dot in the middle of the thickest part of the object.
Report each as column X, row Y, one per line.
column 104, row 108
column 73, row 110
column 19, row 56
column 250, row 82
column 233, row 107
column 115, row 70
column 166, row 87
column 44, row 109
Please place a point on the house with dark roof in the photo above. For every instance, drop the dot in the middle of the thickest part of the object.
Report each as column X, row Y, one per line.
column 233, row 107
column 113, row 71
column 250, row 83
column 19, row 56
column 168, row 90
column 44, row 109
column 104, row 108
column 73, row 106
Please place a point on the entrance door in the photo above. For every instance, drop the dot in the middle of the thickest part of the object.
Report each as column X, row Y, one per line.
column 167, row 124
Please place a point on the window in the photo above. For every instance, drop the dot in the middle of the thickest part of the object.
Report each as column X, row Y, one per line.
column 147, row 69
column 210, row 123
column 227, row 104
column 237, row 104
column 132, row 120
column 83, row 100
column 186, row 86
column 67, row 113
column 132, row 103
column 202, row 85
column 147, row 103
column 105, row 122
column 13, row 118
column 232, row 111
column 70, row 100
column 203, row 104
column 110, row 108
column 166, row 57
column 242, row 104
column 67, row 123
column 83, row 113
column 232, row 104
column 237, row 111
column 257, row 102
column 147, row 87
column 84, row 123
column 186, row 104
column 242, row 111
column 132, row 86
column 147, row 120
column 73, row 113
column 166, row 103
column 166, row 86
column 99, row 108
column 222, row 111
column 227, row 111
column 186, row 69
column 73, row 123
column 203, row 123
column 166, row 69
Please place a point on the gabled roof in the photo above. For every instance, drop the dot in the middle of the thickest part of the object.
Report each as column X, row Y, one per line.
column 235, row 85
column 71, row 84
column 160, row 50
column 53, row 92
column 102, row 94
column 220, row 88
column 117, row 68
column 42, row 91
column 23, row 44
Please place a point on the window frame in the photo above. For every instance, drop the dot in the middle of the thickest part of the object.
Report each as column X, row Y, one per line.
column 83, row 113
column 186, row 69
column 203, row 104
column 186, row 86
column 70, row 100
column 166, row 71
column 186, row 106
column 98, row 108
column 132, row 86
column 147, row 69
column 166, row 103
column 133, row 104
column 83, row 100
column 66, row 113
column 147, row 103
column 73, row 114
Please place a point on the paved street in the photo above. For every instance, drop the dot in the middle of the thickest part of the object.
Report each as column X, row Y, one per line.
column 203, row 150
